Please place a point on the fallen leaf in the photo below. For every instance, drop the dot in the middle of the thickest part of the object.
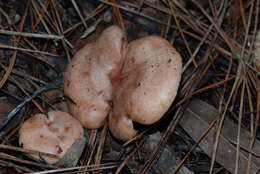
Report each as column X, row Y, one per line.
column 197, row 118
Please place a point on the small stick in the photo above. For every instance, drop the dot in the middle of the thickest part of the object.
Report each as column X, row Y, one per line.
column 34, row 35
column 85, row 168
column 12, row 165
column 28, row 50
column 6, row 16
column 19, row 149
column 13, row 158
column 79, row 13
column 98, row 10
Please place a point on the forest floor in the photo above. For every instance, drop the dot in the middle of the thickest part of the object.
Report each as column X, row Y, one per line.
column 219, row 45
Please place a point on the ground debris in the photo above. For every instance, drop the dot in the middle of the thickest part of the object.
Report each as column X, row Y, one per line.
column 166, row 163
column 197, row 118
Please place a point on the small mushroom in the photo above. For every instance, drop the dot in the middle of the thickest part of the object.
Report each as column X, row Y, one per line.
column 54, row 134
column 89, row 77
column 150, row 78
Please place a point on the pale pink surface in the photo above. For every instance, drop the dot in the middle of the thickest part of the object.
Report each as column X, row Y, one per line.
column 89, row 78
column 150, row 78
column 53, row 134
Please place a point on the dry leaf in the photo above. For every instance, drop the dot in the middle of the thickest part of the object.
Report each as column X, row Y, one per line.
column 197, row 118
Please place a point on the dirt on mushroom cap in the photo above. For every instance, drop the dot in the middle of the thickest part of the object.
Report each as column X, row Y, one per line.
column 150, row 80
column 53, row 134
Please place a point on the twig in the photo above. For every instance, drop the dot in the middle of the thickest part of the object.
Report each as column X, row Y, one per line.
column 9, row 164
column 40, row 16
column 239, row 126
column 137, row 13
column 6, row 16
column 79, row 13
column 33, row 35
column 13, row 58
column 101, row 144
column 182, row 34
column 13, row 158
column 42, row 12
column 223, row 117
column 176, row 169
column 48, row 17
column 18, row 149
column 23, row 90
column 21, row 74
column 219, row 30
column 59, row 28
column 155, row 154
column 86, row 168
column 98, row 10
column 27, row 50
column 129, row 156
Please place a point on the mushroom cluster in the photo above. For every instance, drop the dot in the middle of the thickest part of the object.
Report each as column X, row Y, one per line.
column 125, row 82
column 108, row 79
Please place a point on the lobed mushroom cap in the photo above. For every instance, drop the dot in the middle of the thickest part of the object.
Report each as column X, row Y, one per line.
column 53, row 134
column 89, row 77
column 150, row 78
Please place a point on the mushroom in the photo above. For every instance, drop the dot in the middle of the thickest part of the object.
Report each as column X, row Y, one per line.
column 150, row 80
column 89, row 77
column 54, row 134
